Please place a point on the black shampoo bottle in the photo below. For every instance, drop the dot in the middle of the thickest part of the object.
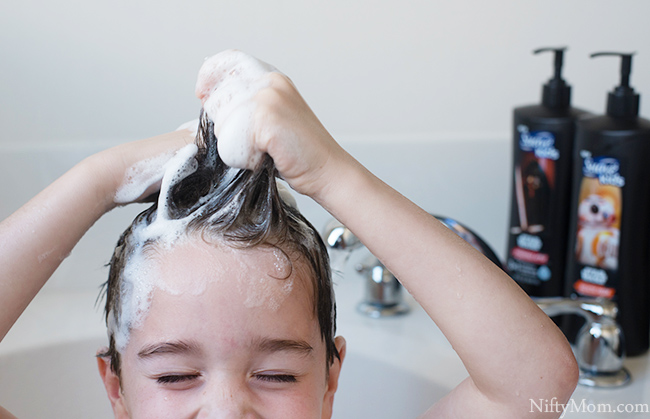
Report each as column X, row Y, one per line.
column 542, row 152
column 609, row 234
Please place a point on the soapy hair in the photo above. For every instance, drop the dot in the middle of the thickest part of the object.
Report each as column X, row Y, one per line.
column 240, row 207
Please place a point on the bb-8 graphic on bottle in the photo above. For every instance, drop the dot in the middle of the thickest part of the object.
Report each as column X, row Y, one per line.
column 598, row 233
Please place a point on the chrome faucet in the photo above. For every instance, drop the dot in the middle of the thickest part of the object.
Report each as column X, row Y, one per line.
column 599, row 347
column 383, row 294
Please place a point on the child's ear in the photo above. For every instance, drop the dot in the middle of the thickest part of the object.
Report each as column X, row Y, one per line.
column 333, row 379
column 112, row 385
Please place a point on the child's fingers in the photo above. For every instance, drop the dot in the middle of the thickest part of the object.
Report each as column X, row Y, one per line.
column 192, row 126
column 236, row 142
column 227, row 85
column 138, row 167
column 256, row 110
column 227, row 67
column 142, row 179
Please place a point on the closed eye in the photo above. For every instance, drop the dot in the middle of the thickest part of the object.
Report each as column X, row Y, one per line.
column 176, row 378
column 277, row 378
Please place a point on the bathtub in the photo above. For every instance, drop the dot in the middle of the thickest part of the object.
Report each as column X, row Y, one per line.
column 73, row 389
column 395, row 367
column 48, row 369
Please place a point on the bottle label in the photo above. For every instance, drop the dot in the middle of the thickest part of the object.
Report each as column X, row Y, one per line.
column 541, row 143
column 534, row 184
column 598, row 231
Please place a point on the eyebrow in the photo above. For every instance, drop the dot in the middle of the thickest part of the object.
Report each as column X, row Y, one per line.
column 271, row 345
column 177, row 347
column 264, row 345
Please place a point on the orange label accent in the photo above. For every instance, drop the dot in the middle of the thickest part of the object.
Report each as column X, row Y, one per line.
column 593, row 290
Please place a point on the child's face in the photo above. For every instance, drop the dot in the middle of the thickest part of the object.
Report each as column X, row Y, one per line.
column 224, row 337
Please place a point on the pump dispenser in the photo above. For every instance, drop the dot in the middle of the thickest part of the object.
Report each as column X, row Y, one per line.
column 543, row 137
column 556, row 94
column 609, row 233
column 623, row 101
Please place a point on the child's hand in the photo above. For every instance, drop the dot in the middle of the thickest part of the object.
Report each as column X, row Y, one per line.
column 133, row 171
column 258, row 110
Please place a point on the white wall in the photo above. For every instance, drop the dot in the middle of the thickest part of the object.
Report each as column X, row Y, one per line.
column 464, row 180
column 440, row 77
column 76, row 70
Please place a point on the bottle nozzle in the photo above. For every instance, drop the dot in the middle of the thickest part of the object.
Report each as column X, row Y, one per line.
column 623, row 101
column 556, row 93
column 559, row 59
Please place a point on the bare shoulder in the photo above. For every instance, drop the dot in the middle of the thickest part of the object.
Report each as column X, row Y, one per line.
column 4, row 414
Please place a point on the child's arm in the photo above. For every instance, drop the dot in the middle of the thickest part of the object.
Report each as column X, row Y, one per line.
column 38, row 236
column 511, row 349
column 4, row 414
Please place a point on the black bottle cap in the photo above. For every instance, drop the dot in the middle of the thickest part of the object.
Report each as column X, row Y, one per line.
column 556, row 94
column 623, row 101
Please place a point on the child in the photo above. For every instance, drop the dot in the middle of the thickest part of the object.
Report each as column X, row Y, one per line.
column 228, row 323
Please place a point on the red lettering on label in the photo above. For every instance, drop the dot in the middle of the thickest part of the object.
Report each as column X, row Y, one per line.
column 593, row 290
column 529, row 256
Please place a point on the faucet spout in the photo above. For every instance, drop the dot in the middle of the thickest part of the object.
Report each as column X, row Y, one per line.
column 383, row 295
column 590, row 309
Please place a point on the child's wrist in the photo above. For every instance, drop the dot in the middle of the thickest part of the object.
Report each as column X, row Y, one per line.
column 103, row 178
column 339, row 184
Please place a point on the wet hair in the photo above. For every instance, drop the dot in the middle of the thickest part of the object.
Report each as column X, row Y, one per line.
column 244, row 209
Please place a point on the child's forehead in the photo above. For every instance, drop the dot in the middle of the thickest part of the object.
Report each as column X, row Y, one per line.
column 228, row 292
column 263, row 276
column 218, row 254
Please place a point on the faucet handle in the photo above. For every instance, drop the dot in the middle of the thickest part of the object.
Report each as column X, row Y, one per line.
column 383, row 295
column 339, row 237
column 383, row 292
column 599, row 347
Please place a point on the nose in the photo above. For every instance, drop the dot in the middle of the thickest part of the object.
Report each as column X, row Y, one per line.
column 224, row 400
column 594, row 209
